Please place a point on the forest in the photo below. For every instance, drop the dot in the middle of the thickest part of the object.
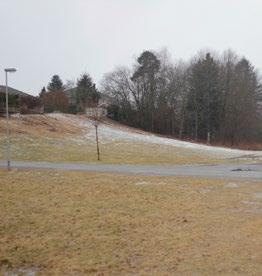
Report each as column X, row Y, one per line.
column 216, row 99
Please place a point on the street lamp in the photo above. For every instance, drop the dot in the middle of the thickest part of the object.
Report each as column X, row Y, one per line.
column 7, row 70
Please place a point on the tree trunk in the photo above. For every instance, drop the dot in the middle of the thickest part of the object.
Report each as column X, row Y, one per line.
column 208, row 138
column 152, row 122
column 182, row 122
column 173, row 125
column 97, row 144
column 196, row 127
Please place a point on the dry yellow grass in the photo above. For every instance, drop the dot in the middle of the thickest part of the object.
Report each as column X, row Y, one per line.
column 72, row 223
column 43, row 138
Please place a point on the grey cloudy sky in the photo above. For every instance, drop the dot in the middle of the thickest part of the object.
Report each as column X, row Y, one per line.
column 68, row 37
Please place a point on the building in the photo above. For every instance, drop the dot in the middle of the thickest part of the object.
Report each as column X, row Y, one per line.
column 71, row 95
column 14, row 92
column 99, row 109
column 19, row 102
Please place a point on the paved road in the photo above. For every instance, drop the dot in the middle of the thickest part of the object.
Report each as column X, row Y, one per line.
column 245, row 171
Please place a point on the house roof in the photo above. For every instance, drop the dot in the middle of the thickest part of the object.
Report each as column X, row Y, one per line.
column 13, row 91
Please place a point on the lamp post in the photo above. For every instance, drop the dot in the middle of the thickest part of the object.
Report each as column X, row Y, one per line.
column 7, row 70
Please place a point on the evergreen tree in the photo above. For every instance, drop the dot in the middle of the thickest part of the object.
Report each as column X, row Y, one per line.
column 204, row 102
column 56, row 84
column 42, row 93
column 241, row 111
column 86, row 93
column 145, row 79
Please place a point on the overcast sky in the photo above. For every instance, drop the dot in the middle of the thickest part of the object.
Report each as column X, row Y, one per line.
column 68, row 37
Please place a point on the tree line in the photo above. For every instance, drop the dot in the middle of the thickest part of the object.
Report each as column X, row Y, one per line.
column 56, row 96
column 69, row 98
column 211, row 98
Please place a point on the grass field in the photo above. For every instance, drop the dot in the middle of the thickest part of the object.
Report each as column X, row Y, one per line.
column 57, row 150
column 72, row 223
column 67, row 138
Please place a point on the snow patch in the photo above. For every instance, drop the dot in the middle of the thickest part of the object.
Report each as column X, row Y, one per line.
column 141, row 183
column 258, row 195
column 232, row 185
column 109, row 133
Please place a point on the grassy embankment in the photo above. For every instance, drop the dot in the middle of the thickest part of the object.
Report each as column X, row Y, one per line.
column 43, row 138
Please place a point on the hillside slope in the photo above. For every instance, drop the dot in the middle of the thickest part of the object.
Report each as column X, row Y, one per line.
column 63, row 137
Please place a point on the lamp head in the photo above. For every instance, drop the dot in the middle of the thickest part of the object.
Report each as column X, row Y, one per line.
column 10, row 70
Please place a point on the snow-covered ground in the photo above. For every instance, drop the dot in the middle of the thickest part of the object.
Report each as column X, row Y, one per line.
column 109, row 132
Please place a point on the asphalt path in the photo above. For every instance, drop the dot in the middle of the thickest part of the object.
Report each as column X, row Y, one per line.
column 242, row 171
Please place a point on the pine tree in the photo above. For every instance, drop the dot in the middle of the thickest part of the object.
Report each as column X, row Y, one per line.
column 86, row 93
column 204, row 98
column 241, row 111
column 145, row 79
column 56, row 84
column 42, row 93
